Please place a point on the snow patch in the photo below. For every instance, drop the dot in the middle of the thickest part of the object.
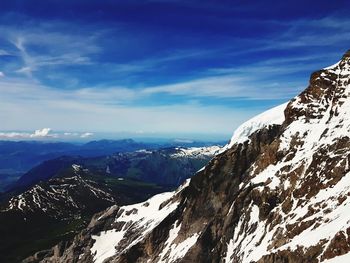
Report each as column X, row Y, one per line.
column 76, row 167
column 338, row 259
column 104, row 246
column 173, row 250
column 196, row 151
column 269, row 117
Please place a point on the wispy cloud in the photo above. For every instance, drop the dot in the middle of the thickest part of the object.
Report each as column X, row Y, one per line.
column 309, row 33
column 45, row 133
column 185, row 88
column 162, row 59
column 45, row 45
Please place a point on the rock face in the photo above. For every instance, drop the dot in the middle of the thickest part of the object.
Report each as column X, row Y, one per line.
column 279, row 192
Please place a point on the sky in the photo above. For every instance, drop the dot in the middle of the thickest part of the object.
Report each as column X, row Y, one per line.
column 189, row 69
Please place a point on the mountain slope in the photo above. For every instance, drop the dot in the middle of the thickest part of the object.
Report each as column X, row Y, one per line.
column 280, row 194
column 54, row 210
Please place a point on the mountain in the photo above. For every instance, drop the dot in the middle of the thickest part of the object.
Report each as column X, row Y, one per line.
column 55, row 199
column 279, row 192
column 168, row 166
column 55, row 209
column 17, row 158
column 105, row 147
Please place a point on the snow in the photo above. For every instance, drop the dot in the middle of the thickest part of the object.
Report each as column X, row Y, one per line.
column 173, row 250
column 330, row 223
column 196, row 151
column 237, row 239
column 21, row 202
column 148, row 213
column 229, row 253
column 76, row 167
column 144, row 151
column 173, row 233
column 201, row 169
column 104, row 246
column 269, row 117
column 254, row 214
column 339, row 259
column 180, row 250
column 332, row 66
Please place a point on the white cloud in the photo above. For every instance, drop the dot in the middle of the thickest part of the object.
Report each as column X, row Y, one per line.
column 2, row 74
column 41, row 133
column 44, row 133
column 86, row 135
column 14, row 135
column 236, row 85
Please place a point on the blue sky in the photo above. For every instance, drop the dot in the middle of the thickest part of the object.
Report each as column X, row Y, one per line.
column 158, row 68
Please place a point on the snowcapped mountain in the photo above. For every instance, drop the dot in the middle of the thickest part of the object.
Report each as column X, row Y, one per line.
column 59, row 207
column 279, row 192
column 193, row 152
column 61, row 194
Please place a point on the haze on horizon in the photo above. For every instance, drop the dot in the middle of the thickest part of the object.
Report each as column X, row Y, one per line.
column 194, row 69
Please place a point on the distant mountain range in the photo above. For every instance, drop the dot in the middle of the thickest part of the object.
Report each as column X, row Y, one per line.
column 55, row 199
column 16, row 158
